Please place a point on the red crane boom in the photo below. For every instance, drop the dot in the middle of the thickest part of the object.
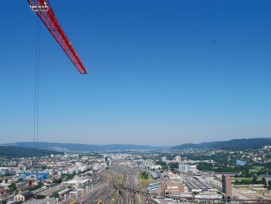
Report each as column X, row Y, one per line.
column 46, row 14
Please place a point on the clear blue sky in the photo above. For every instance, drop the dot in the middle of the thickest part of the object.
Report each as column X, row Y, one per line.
column 160, row 72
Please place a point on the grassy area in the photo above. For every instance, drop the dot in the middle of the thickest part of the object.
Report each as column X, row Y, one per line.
column 243, row 187
column 244, row 178
column 258, row 167
column 120, row 179
column 107, row 176
column 115, row 198
column 143, row 181
column 144, row 175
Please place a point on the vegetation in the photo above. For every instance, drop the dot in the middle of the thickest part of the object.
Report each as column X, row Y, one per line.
column 144, row 175
column 58, row 181
column 161, row 163
column 10, row 151
column 269, row 185
column 242, row 171
column 68, row 176
column 120, row 179
column 236, row 144
column 35, row 187
column 40, row 197
column 174, row 165
column 145, row 180
column 87, row 147
column 12, row 187
column 248, row 181
column 44, row 167
column 55, row 194
column 115, row 198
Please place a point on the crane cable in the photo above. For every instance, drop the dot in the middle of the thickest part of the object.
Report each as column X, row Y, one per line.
column 36, row 91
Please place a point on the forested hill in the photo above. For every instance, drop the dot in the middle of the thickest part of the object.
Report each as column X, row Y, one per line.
column 9, row 151
column 236, row 144
column 71, row 147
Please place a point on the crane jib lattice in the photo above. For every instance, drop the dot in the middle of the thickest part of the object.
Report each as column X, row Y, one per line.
column 46, row 14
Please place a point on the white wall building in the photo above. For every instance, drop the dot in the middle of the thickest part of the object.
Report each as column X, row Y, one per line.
column 183, row 168
column 178, row 158
column 156, row 167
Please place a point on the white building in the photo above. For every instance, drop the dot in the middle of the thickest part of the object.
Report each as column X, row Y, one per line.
column 178, row 158
column 187, row 168
column 183, row 168
column 193, row 168
column 156, row 167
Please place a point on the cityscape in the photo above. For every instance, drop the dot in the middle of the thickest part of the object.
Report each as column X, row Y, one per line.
column 134, row 176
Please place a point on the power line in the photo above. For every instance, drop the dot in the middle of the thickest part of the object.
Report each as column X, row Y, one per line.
column 36, row 89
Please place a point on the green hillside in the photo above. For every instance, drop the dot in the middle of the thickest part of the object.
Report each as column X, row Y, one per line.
column 9, row 151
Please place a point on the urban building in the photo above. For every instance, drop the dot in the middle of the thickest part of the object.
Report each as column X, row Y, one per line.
column 154, row 175
column 23, row 196
column 178, row 159
column 34, row 176
column 227, row 187
column 173, row 188
column 183, row 168
column 240, row 163
column 173, row 177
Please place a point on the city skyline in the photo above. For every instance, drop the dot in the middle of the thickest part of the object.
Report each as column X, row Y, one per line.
column 159, row 73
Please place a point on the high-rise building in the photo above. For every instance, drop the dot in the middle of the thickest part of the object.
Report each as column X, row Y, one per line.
column 183, row 168
column 163, row 187
column 178, row 158
column 227, row 187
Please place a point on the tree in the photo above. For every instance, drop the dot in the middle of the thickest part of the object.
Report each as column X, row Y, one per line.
column 161, row 163
column 144, row 175
column 174, row 165
column 269, row 185
column 40, row 196
column 55, row 194
column 44, row 167
column 57, row 181
column 12, row 187
column 254, row 180
column 264, row 182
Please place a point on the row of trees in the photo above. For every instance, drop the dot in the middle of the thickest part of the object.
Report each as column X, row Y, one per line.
column 254, row 180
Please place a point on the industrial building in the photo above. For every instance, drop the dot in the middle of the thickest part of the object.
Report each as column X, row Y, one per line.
column 34, row 176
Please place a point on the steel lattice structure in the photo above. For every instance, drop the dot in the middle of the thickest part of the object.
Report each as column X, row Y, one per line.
column 46, row 14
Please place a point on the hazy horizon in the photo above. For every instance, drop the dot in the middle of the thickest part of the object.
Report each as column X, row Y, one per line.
column 152, row 144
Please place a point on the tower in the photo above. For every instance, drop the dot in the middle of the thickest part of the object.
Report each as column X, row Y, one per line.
column 227, row 187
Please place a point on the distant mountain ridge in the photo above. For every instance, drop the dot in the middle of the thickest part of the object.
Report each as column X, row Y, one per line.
column 70, row 147
column 235, row 144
